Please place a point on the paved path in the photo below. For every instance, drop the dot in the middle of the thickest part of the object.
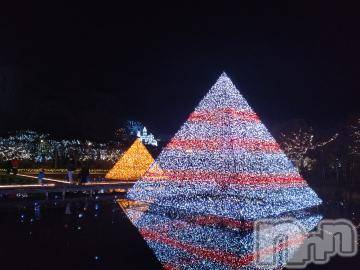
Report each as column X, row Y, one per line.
column 62, row 186
column 46, row 179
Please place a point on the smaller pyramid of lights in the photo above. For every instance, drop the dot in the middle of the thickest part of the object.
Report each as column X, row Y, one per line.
column 132, row 164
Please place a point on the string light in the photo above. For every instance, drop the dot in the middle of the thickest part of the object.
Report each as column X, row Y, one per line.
column 220, row 172
column 34, row 146
column 132, row 164
column 297, row 145
column 354, row 146
column 54, row 171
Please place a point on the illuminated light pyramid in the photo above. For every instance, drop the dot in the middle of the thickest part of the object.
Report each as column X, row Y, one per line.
column 220, row 172
column 132, row 164
column 223, row 161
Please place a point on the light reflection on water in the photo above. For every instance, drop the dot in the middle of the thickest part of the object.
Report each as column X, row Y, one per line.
column 81, row 233
column 188, row 241
column 95, row 234
column 185, row 239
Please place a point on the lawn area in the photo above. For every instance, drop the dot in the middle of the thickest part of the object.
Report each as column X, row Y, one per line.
column 15, row 180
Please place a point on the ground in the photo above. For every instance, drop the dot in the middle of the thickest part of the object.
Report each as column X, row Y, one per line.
column 15, row 180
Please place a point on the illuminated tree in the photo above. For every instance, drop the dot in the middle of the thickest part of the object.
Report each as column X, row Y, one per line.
column 354, row 146
column 121, row 134
column 25, row 145
column 221, row 171
column 132, row 164
column 297, row 144
column 39, row 148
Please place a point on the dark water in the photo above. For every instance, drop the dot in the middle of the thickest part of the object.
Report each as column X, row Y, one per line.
column 94, row 233
column 334, row 208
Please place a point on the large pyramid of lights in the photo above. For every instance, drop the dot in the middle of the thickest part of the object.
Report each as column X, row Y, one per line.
column 132, row 164
column 223, row 161
column 220, row 172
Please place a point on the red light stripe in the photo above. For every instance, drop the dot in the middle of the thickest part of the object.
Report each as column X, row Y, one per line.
column 221, row 221
column 216, row 255
column 168, row 266
column 225, row 178
column 219, row 115
column 223, row 144
column 208, row 220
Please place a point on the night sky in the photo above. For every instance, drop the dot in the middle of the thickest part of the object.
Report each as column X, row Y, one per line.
column 82, row 70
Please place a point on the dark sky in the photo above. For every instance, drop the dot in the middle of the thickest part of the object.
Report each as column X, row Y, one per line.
column 81, row 70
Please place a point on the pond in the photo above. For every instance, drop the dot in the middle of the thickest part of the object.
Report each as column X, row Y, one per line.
column 79, row 233
column 94, row 233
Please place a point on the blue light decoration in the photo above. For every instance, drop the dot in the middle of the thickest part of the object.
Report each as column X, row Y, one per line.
column 147, row 138
column 222, row 171
column 134, row 127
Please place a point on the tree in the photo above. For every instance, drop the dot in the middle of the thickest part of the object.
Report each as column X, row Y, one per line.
column 352, row 138
column 354, row 132
column 133, row 127
column 298, row 140
column 122, row 135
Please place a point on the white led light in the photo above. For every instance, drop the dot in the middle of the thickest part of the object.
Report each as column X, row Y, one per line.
column 220, row 172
